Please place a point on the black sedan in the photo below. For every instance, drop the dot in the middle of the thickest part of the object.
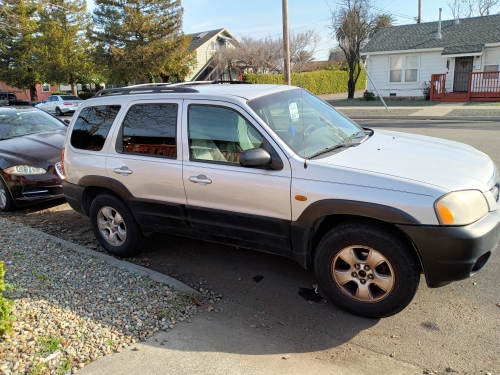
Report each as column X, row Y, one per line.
column 30, row 147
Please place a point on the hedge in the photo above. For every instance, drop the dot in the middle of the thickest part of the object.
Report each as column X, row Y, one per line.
column 318, row 82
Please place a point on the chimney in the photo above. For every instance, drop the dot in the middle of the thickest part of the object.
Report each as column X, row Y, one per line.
column 438, row 36
column 457, row 21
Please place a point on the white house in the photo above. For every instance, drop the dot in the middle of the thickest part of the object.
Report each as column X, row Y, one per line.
column 205, row 44
column 402, row 59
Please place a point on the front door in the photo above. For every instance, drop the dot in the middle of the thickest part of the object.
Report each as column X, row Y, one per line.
column 225, row 199
column 463, row 68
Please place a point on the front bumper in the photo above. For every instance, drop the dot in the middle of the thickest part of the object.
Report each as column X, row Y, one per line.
column 30, row 189
column 455, row 253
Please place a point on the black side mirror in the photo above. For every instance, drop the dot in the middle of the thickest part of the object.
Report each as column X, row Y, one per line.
column 255, row 158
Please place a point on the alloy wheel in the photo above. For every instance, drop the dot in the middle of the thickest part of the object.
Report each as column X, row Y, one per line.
column 111, row 226
column 363, row 274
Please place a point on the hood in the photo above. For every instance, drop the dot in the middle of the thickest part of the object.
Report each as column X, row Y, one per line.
column 37, row 150
column 445, row 164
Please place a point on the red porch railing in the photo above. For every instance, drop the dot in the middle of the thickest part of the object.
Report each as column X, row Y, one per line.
column 438, row 84
column 483, row 86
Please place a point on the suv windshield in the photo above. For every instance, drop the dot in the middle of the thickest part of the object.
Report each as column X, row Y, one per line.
column 304, row 122
column 16, row 124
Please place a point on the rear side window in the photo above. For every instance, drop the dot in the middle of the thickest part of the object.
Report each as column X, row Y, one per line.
column 150, row 129
column 92, row 127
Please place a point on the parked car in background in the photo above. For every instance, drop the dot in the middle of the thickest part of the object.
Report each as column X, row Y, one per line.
column 30, row 146
column 274, row 168
column 10, row 98
column 60, row 104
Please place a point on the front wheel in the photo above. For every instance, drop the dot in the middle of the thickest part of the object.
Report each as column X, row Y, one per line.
column 114, row 226
column 366, row 269
column 6, row 201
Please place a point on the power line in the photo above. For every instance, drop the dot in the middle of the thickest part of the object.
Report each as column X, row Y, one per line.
column 301, row 27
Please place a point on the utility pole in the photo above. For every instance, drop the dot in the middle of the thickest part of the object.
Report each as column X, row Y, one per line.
column 419, row 19
column 286, row 44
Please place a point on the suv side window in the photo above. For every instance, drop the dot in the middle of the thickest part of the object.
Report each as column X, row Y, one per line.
column 92, row 127
column 150, row 129
column 219, row 134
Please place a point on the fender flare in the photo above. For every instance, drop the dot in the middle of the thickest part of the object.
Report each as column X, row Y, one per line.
column 304, row 228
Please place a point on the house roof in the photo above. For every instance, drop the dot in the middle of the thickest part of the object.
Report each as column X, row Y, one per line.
column 198, row 39
column 468, row 36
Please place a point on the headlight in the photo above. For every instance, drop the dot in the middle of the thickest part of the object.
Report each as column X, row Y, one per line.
column 461, row 207
column 23, row 170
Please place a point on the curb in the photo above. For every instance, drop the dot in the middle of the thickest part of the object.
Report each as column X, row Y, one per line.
column 132, row 268
column 420, row 118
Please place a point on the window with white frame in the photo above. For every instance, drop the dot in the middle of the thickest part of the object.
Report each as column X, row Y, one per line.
column 404, row 68
column 491, row 61
column 45, row 87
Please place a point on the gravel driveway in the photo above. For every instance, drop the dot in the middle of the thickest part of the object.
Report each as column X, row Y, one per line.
column 72, row 309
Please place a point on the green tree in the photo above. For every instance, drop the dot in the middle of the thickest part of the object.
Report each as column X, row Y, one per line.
column 63, row 47
column 141, row 39
column 352, row 24
column 19, row 65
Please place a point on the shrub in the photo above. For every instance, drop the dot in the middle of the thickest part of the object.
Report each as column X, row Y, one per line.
column 369, row 96
column 318, row 82
column 85, row 95
column 6, row 306
column 426, row 91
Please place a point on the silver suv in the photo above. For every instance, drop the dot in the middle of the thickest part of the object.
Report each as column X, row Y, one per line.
column 276, row 169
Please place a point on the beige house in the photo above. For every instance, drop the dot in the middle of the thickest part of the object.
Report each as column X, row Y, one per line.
column 205, row 44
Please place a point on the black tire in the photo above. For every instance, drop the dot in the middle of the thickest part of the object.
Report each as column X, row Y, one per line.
column 340, row 261
column 133, row 237
column 6, row 201
column 58, row 111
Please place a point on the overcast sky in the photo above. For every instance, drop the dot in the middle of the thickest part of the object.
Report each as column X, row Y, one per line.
column 260, row 18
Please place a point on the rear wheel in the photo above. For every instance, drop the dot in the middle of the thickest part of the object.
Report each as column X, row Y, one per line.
column 114, row 226
column 366, row 269
column 58, row 111
column 6, row 201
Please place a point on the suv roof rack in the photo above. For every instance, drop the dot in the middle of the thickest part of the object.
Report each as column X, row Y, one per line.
column 148, row 89
column 153, row 88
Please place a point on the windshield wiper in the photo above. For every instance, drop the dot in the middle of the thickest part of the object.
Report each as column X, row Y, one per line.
column 4, row 138
column 333, row 148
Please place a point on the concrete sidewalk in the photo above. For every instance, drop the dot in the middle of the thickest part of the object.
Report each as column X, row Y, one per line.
column 221, row 344
column 441, row 111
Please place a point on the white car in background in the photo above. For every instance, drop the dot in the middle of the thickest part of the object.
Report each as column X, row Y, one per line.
column 60, row 104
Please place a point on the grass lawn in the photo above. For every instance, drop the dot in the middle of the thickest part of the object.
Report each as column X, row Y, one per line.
column 361, row 102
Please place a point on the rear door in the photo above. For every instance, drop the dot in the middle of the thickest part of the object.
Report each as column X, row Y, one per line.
column 225, row 199
column 145, row 159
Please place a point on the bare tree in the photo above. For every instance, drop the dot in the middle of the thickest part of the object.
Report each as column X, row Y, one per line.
column 266, row 55
column 472, row 8
column 352, row 24
column 484, row 7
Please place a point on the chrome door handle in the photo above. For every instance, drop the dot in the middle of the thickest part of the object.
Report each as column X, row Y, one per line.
column 123, row 171
column 200, row 179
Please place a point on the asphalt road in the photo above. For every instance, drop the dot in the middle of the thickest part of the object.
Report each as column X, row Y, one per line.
column 453, row 329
